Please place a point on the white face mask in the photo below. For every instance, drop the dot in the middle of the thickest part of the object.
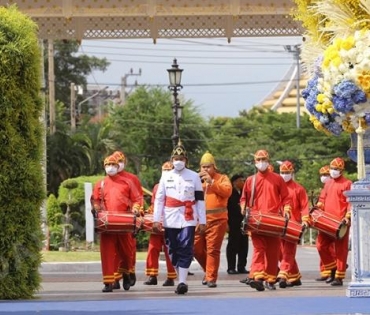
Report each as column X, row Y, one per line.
column 111, row 170
column 286, row 177
column 324, row 179
column 178, row 165
column 262, row 166
column 121, row 166
column 334, row 173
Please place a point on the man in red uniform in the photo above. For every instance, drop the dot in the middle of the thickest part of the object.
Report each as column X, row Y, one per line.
column 264, row 193
column 156, row 243
column 136, row 203
column 325, row 274
column 289, row 274
column 333, row 201
column 111, row 196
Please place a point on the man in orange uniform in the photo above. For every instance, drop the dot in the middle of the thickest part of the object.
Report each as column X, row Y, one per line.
column 289, row 272
column 333, row 201
column 264, row 193
column 136, row 203
column 156, row 243
column 111, row 196
column 325, row 274
column 207, row 246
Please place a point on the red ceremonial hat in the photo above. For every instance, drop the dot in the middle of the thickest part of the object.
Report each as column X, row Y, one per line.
column 286, row 166
column 261, row 154
column 325, row 170
column 337, row 163
column 110, row 160
column 119, row 156
column 167, row 166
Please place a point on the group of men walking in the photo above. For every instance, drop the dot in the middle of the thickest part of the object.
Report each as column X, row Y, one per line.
column 192, row 211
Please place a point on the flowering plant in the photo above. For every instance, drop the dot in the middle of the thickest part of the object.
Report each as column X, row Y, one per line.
column 338, row 94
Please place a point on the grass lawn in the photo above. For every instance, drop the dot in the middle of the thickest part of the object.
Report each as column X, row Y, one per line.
column 55, row 256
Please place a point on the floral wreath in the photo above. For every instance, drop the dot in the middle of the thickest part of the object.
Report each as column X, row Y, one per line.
column 337, row 95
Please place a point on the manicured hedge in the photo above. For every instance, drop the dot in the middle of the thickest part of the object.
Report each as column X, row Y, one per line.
column 22, row 189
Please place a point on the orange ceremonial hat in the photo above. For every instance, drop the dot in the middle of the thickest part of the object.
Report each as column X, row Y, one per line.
column 260, row 154
column 167, row 166
column 110, row 160
column 325, row 170
column 337, row 163
column 286, row 166
column 119, row 156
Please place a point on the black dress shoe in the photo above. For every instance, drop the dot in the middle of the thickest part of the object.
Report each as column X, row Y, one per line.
column 132, row 278
column 204, row 281
column 108, row 288
column 152, row 280
column 168, row 283
column 282, row 284
column 211, row 284
column 182, row 288
column 232, row 272
column 270, row 286
column 321, row 279
column 295, row 283
column 332, row 276
column 244, row 280
column 257, row 284
column 126, row 282
column 116, row 285
column 337, row 282
column 190, row 273
column 244, row 271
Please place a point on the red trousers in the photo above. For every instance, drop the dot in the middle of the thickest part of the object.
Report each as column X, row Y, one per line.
column 112, row 245
column 207, row 248
column 265, row 258
column 120, row 265
column 288, row 265
column 323, row 272
column 339, row 261
column 156, row 244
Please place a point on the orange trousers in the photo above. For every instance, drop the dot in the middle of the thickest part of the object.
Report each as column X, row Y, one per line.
column 207, row 248
column 120, row 265
column 112, row 245
column 339, row 262
column 288, row 264
column 265, row 258
column 156, row 243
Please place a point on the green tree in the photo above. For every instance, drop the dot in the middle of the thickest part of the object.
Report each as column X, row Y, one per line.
column 71, row 67
column 142, row 129
column 21, row 181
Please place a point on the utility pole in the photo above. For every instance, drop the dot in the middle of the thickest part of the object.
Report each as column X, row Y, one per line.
column 296, row 51
column 124, row 84
column 51, row 86
column 73, row 107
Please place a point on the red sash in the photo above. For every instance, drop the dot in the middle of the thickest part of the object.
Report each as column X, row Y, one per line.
column 172, row 202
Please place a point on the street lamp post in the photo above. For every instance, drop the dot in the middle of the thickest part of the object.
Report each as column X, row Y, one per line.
column 296, row 51
column 175, row 86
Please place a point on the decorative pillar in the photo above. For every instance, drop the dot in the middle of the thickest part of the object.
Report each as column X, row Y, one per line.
column 359, row 198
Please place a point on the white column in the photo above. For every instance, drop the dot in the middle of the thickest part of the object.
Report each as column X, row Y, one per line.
column 88, row 216
column 359, row 198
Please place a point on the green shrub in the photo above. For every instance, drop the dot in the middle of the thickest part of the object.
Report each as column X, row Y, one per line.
column 22, row 187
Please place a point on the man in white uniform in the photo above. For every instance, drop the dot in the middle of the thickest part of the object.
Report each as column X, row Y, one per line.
column 179, row 206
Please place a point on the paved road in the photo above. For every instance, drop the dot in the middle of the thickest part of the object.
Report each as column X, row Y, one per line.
column 75, row 288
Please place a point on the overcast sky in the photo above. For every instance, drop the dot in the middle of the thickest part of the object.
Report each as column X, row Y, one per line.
column 222, row 79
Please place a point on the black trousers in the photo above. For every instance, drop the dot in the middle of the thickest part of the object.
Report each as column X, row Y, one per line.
column 237, row 246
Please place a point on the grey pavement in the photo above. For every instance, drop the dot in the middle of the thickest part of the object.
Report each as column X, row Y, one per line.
column 75, row 288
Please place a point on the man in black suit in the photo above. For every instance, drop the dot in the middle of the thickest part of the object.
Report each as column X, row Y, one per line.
column 237, row 245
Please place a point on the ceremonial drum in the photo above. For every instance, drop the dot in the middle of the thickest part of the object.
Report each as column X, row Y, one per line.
column 294, row 231
column 265, row 224
column 327, row 223
column 117, row 223
column 148, row 224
